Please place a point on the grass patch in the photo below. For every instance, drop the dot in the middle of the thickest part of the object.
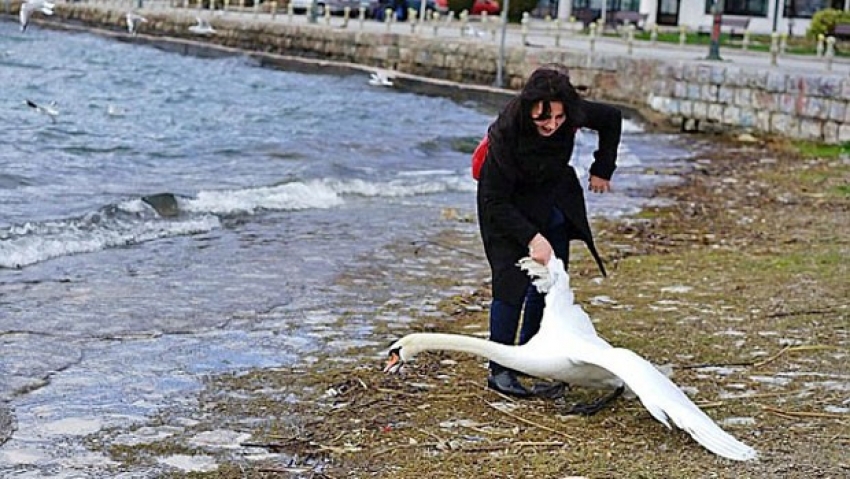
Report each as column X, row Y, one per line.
column 810, row 149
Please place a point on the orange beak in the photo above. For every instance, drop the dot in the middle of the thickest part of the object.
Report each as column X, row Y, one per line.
column 393, row 363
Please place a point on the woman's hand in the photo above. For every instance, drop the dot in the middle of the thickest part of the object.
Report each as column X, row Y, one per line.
column 539, row 249
column 598, row 185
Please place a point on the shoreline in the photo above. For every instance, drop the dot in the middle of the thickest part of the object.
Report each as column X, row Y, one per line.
column 687, row 281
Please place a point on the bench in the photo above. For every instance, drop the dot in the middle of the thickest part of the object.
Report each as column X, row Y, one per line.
column 623, row 18
column 841, row 31
column 586, row 16
column 734, row 26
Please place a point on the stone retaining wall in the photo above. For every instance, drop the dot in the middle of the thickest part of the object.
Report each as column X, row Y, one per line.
column 811, row 107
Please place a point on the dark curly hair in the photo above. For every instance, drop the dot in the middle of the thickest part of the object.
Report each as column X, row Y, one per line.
column 548, row 83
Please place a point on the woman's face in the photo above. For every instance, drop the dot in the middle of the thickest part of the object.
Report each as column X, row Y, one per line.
column 548, row 122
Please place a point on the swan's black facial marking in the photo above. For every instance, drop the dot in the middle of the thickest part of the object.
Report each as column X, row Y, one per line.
column 394, row 361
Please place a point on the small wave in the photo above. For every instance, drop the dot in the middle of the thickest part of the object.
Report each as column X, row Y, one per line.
column 133, row 221
column 631, row 126
column 31, row 243
column 410, row 185
column 322, row 193
column 287, row 197
column 9, row 181
column 84, row 150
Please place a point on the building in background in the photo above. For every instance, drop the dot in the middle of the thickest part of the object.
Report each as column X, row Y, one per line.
column 766, row 16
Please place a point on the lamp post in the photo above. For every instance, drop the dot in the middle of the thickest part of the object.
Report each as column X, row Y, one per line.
column 500, row 62
column 775, row 16
column 714, row 45
column 312, row 15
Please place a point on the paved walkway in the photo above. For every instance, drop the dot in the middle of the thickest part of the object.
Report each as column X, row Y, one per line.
column 540, row 34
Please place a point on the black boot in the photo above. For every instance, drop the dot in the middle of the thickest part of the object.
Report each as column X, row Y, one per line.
column 549, row 390
column 506, row 382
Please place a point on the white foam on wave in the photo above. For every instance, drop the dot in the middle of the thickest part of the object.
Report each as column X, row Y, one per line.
column 34, row 242
column 403, row 187
column 631, row 126
column 323, row 193
column 287, row 197
column 135, row 221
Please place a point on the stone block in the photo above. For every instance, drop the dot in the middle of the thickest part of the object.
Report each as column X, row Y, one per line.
column 714, row 111
column 686, row 108
column 732, row 116
column 811, row 129
column 763, row 120
column 700, row 110
column 694, row 91
column 831, row 133
column 743, row 97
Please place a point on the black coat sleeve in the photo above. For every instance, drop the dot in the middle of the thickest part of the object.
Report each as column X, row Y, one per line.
column 607, row 121
column 497, row 208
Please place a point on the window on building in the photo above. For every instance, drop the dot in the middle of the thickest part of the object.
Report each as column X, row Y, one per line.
column 751, row 8
column 807, row 8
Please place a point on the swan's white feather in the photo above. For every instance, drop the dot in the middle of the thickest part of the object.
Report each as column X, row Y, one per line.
column 567, row 348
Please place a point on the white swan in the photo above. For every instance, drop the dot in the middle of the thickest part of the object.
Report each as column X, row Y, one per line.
column 568, row 349
column 31, row 6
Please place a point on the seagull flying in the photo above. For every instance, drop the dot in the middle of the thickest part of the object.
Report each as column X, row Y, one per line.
column 133, row 21
column 203, row 27
column 49, row 110
column 380, row 78
column 30, row 6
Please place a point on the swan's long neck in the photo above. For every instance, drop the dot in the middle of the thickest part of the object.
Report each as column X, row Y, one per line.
column 501, row 353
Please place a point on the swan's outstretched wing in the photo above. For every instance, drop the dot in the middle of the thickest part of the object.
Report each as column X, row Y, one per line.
column 664, row 400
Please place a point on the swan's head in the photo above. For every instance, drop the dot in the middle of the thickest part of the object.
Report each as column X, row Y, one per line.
column 401, row 352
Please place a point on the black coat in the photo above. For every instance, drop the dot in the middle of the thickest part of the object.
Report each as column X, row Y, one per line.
column 513, row 206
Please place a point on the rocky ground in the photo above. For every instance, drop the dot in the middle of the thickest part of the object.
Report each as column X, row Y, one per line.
column 741, row 285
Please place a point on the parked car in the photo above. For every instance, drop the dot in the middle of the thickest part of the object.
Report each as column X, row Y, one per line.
column 492, row 7
column 378, row 8
column 336, row 7
column 478, row 6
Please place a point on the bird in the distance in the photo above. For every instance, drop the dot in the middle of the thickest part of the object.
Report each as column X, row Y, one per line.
column 49, row 109
column 31, row 6
column 133, row 21
column 380, row 78
column 202, row 27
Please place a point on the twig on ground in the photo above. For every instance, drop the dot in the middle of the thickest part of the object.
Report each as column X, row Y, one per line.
column 539, row 444
column 528, row 422
column 387, row 449
column 832, row 309
column 799, row 414
column 716, row 365
column 786, row 349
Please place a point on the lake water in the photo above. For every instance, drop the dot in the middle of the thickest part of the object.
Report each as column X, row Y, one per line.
column 285, row 182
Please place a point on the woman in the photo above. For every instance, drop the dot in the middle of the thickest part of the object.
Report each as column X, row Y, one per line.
column 530, row 200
